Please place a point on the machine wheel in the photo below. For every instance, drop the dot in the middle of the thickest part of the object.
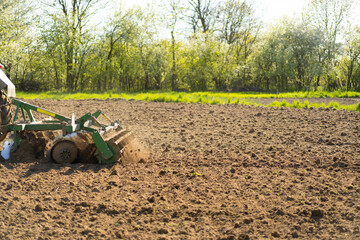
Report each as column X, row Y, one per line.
column 5, row 108
column 64, row 152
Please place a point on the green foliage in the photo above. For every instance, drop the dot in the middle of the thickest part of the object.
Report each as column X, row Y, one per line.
column 225, row 50
column 287, row 58
column 202, row 97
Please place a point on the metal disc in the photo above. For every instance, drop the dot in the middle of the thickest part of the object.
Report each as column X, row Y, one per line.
column 64, row 152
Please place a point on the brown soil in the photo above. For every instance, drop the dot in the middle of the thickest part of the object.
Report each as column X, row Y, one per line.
column 214, row 172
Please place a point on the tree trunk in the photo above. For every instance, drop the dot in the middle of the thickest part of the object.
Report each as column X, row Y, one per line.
column 69, row 75
column 173, row 74
column 349, row 75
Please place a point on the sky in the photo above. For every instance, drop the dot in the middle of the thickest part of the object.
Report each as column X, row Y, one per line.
column 269, row 11
column 273, row 10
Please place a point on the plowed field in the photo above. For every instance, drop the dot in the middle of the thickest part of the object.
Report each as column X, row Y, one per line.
column 214, row 172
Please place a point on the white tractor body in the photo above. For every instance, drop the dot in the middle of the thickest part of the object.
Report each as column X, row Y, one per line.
column 5, row 82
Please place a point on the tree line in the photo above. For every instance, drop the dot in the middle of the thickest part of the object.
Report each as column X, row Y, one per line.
column 193, row 45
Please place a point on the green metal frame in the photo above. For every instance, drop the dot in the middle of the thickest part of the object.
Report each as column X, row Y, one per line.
column 106, row 153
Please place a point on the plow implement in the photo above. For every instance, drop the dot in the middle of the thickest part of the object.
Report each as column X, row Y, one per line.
column 84, row 139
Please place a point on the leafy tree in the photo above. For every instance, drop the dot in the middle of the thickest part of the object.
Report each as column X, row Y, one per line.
column 287, row 57
column 330, row 16
column 349, row 64
column 233, row 15
column 201, row 15
column 175, row 10
column 238, row 27
column 69, row 20
column 121, row 30
column 206, row 67
column 15, row 23
column 304, row 44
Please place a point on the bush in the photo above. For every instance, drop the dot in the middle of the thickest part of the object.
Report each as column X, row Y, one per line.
column 30, row 86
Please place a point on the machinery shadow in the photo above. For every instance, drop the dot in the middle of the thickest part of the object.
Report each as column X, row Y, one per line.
column 38, row 166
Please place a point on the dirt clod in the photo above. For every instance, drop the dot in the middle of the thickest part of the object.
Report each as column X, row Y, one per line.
column 163, row 231
column 248, row 220
column 295, row 235
column 275, row 234
column 317, row 213
column 39, row 208
column 243, row 237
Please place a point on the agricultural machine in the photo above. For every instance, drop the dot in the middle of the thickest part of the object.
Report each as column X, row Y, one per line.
column 84, row 137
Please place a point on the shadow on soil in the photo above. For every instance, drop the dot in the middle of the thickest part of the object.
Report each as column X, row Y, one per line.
column 40, row 166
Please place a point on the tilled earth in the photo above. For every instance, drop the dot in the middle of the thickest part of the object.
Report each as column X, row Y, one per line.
column 215, row 172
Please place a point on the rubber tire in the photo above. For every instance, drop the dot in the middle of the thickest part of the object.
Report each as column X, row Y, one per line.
column 5, row 108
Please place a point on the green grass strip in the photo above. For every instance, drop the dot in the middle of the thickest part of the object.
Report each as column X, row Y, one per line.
column 210, row 98
column 306, row 104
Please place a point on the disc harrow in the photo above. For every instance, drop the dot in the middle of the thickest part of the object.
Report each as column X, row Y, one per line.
column 78, row 140
column 84, row 139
